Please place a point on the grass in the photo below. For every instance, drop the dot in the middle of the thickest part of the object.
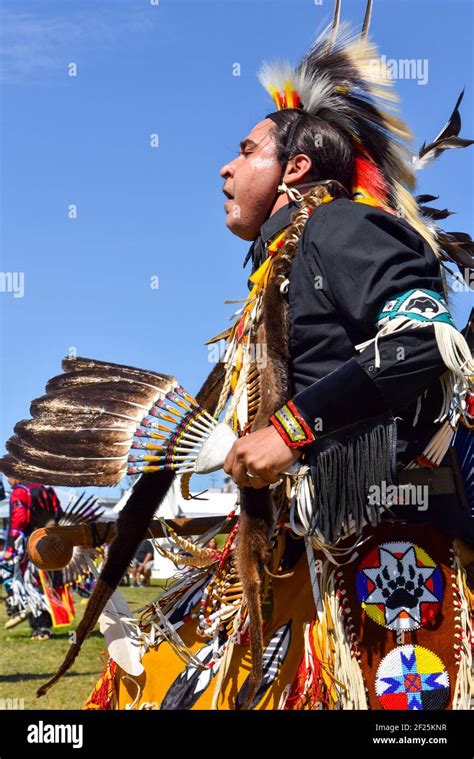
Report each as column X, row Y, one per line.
column 25, row 664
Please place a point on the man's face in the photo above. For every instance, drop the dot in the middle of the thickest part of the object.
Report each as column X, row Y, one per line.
column 251, row 181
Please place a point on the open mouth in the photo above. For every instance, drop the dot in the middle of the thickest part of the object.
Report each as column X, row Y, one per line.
column 228, row 195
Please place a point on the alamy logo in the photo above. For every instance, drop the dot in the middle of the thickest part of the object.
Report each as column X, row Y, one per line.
column 44, row 733
column 12, row 703
column 401, row 495
column 12, row 282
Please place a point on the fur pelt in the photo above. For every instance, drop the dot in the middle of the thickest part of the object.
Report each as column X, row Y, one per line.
column 271, row 336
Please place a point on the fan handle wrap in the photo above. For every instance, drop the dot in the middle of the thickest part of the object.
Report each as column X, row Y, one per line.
column 50, row 548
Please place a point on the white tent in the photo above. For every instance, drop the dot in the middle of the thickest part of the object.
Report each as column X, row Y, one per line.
column 211, row 503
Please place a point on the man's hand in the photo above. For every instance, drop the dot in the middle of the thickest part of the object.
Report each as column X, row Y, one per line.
column 263, row 455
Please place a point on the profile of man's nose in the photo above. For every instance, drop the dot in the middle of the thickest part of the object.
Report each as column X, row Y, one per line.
column 226, row 170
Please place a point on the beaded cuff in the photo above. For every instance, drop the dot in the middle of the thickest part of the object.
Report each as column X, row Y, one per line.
column 292, row 427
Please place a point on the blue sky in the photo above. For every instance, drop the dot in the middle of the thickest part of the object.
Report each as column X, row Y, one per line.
column 146, row 212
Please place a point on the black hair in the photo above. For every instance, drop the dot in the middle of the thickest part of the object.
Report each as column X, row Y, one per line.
column 330, row 150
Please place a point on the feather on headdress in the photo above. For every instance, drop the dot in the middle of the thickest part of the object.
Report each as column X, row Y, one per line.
column 343, row 81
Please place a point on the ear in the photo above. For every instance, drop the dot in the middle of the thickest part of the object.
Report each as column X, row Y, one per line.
column 298, row 169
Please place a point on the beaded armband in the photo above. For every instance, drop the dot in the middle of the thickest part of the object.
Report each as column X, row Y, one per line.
column 418, row 305
column 290, row 424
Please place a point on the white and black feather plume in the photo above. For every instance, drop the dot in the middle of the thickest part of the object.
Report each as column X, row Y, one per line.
column 447, row 138
column 273, row 657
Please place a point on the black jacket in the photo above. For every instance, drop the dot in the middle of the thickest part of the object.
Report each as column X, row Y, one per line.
column 351, row 259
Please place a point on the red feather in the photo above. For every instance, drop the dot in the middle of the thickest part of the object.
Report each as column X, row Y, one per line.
column 369, row 177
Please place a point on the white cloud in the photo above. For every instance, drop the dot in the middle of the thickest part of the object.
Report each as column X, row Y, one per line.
column 33, row 46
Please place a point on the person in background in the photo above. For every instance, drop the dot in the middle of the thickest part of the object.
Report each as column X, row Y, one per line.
column 142, row 564
column 31, row 506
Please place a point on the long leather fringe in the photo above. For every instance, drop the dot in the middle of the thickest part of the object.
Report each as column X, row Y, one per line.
column 343, row 474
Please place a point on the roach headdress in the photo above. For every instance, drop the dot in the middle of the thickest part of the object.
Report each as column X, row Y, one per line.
column 343, row 81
